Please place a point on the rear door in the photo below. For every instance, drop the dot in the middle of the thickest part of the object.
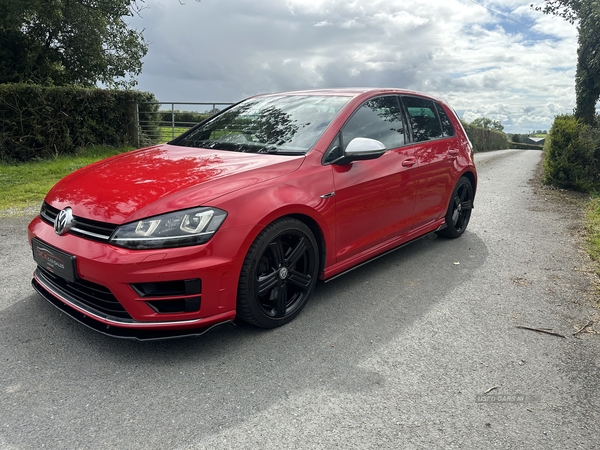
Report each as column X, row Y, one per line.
column 433, row 144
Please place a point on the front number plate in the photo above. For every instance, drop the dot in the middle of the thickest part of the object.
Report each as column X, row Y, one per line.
column 53, row 260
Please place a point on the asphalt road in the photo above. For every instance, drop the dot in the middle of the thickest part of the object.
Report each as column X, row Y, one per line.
column 397, row 354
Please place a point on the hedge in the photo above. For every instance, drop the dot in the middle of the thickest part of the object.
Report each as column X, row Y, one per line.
column 572, row 155
column 40, row 122
column 520, row 146
column 484, row 139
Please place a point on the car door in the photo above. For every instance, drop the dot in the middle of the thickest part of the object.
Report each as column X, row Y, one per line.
column 433, row 147
column 374, row 198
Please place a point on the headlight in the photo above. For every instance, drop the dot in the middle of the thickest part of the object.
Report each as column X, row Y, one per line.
column 177, row 229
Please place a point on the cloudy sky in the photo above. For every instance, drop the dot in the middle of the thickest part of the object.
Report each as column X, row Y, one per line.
column 491, row 58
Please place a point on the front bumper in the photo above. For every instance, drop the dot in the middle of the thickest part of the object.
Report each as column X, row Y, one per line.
column 139, row 331
column 120, row 271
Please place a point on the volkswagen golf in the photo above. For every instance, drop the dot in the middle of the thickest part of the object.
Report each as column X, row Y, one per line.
column 241, row 215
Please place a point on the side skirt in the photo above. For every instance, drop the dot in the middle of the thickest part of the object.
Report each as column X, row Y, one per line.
column 387, row 252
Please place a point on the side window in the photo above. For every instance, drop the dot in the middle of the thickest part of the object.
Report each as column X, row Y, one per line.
column 379, row 118
column 447, row 127
column 423, row 118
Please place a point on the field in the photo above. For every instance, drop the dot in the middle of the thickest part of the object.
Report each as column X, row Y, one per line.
column 168, row 133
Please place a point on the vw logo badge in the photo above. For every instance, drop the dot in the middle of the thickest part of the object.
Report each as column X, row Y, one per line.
column 63, row 221
column 283, row 273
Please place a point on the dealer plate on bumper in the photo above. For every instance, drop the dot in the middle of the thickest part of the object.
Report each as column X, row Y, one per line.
column 53, row 260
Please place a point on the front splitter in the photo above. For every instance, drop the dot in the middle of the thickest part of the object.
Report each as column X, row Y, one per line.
column 140, row 334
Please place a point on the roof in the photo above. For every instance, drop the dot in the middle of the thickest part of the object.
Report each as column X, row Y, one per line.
column 352, row 92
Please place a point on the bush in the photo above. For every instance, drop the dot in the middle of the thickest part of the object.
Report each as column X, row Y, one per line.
column 40, row 122
column 486, row 139
column 572, row 155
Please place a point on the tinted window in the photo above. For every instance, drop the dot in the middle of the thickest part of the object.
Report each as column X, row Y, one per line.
column 379, row 118
column 447, row 127
column 423, row 118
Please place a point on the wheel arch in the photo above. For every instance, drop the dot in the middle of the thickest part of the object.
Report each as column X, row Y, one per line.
column 317, row 225
column 472, row 178
column 315, row 228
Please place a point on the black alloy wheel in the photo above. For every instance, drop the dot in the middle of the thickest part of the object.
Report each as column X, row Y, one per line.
column 459, row 209
column 278, row 274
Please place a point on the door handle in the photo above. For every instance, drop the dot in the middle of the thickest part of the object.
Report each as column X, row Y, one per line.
column 409, row 162
column 453, row 153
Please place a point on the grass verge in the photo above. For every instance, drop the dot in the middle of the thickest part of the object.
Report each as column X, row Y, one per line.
column 593, row 228
column 23, row 186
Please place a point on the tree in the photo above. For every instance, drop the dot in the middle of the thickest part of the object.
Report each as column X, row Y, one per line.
column 587, row 78
column 488, row 124
column 59, row 42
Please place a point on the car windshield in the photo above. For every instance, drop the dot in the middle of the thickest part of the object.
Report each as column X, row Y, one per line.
column 287, row 124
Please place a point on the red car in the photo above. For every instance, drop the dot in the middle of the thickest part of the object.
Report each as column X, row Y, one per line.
column 240, row 215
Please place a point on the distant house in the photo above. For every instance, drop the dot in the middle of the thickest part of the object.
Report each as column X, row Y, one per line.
column 534, row 140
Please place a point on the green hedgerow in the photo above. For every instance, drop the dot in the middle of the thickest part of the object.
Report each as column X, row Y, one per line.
column 572, row 155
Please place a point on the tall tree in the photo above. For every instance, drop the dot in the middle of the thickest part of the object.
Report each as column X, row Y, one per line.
column 586, row 13
column 58, row 42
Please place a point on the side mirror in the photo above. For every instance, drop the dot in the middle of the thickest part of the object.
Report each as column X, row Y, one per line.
column 360, row 149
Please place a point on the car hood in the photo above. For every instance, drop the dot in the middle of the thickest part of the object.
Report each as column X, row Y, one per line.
column 164, row 178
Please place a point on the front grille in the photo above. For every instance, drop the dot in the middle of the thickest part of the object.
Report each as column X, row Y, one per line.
column 85, row 228
column 93, row 295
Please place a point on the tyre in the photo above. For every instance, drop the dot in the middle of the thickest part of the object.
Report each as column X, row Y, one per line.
column 278, row 275
column 459, row 209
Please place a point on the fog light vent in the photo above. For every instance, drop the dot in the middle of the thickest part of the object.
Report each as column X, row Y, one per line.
column 168, row 288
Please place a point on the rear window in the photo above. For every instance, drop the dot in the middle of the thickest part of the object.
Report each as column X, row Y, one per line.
column 423, row 118
column 447, row 127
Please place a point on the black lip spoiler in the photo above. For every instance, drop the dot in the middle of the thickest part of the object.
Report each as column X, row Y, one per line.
column 119, row 332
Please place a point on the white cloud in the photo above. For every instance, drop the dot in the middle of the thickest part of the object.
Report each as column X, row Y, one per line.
column 482, row 63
